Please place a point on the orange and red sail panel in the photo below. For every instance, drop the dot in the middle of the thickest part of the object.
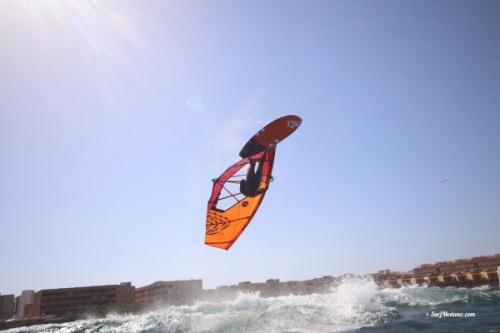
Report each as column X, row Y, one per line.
column 229, row 212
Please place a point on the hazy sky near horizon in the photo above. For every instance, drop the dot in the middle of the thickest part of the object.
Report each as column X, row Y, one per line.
column 116, row 115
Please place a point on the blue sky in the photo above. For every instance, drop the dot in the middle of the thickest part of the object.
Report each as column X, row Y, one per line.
column 116, row 115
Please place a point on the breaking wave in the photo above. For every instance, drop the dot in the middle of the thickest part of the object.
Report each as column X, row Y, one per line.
column 356, row 304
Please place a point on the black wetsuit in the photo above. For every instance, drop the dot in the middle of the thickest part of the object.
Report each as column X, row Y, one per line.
column 249, row 187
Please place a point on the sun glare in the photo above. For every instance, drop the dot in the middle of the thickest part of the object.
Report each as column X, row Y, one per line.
column 99, row 27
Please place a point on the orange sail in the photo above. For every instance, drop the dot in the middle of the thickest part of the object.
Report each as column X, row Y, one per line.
column 229, row 212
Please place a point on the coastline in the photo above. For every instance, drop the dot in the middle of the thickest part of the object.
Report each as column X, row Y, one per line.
column 268, row 290
column 70, row 304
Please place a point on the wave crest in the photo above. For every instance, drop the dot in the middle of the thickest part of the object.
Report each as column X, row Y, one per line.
column 354, row 303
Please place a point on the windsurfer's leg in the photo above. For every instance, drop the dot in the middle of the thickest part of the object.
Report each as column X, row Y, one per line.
column 261, row 165
column 251, row 172
column 252, row 166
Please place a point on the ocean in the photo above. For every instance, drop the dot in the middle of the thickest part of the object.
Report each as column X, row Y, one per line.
column 355, row 305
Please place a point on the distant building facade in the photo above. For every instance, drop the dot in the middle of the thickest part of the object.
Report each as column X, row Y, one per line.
column 21, row 302
column 471, row 272
column 170, row 292
column 81, row 299
column 273, row 287
column 6, row 306
column 458, row 265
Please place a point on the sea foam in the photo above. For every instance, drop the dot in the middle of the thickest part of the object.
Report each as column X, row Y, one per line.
column 353, row 304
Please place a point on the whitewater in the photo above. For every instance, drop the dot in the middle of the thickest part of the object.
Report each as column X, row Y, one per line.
column 355, row 305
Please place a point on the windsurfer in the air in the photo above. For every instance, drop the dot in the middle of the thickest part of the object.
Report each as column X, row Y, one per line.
column 249, row 187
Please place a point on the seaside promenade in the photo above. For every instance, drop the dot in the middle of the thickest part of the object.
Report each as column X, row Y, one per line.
column 473, row 272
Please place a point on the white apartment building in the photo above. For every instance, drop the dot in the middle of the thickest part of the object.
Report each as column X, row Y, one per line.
column 25, row 298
